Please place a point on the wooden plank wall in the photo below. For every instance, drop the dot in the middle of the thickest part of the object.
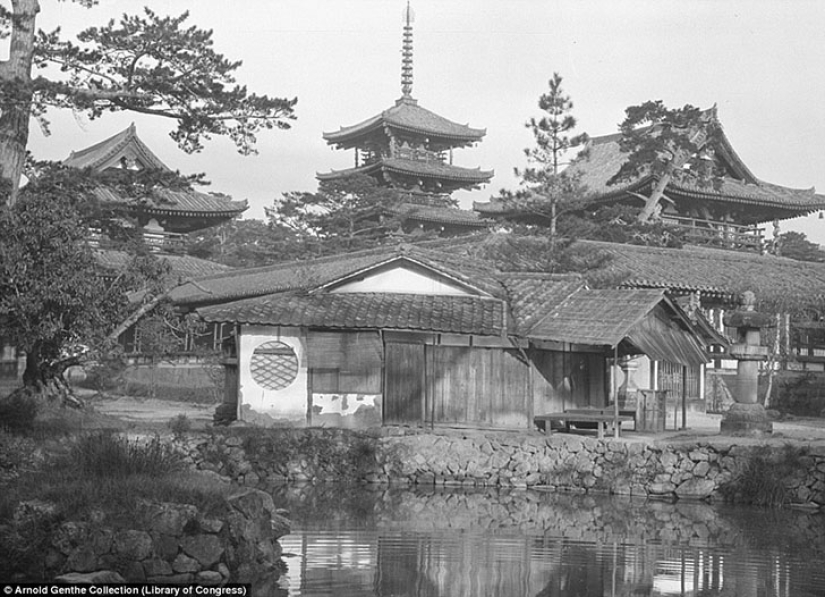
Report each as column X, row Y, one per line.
column 484, row 387
column 404, row 384
column 565, row 380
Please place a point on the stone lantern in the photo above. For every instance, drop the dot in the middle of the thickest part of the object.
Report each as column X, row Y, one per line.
column 746, row 416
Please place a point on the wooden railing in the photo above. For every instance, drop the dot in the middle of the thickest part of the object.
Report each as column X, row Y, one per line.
column 157, row 241
column 718, row 233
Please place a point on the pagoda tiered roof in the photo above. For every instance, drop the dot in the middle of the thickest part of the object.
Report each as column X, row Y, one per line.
column 406, row 115
column 432, row 170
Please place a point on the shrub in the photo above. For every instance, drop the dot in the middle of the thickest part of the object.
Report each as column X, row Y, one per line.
column 18, row 411
column 106, row 454
column 179, row 425
column 801, row 395
column 762, row 478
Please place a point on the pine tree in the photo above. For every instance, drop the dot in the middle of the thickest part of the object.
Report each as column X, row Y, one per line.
column 146, row 63
column 547, row 186
column 669, row 145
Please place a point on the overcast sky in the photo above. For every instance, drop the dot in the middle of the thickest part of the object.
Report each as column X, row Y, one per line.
column 485, row 62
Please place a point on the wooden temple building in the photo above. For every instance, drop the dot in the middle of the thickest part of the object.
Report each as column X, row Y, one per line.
column 731, row 215
column 163, row 214
column 410, row 148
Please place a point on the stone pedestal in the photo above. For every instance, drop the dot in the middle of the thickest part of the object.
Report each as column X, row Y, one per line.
column 747, row 416
column 746, row 420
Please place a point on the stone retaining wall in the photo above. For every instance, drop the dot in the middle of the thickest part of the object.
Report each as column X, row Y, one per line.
column 174, row 544
column 699, row 470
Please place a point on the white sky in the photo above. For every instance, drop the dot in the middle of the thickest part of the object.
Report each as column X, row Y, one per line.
column 485, row 62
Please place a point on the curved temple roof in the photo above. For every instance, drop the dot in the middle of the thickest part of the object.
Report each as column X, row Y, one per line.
column 107, row 153
column 182, row 204
column 407, row 115
column 606, row 158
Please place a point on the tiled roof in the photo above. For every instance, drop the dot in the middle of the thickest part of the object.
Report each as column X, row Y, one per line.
column 599, row 317
column 689, row 269
column 303, row 275
column 101, row 154
column 708, row 270
column 439, row 215
column 448, row 314
column 531, row 294
column 407, row 115
column 182, row 266
column 180, row 203
column 606, row 158
column 436, row 170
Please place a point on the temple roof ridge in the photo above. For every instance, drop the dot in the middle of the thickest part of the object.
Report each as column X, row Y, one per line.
column 105, row 153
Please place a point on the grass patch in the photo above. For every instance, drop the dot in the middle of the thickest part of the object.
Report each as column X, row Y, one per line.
column 763, row 477
column 100, row 477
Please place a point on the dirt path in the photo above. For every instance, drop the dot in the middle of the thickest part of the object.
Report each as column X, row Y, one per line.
column 152, row 413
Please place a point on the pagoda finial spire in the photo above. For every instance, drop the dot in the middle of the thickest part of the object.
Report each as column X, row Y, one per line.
column 407, row 53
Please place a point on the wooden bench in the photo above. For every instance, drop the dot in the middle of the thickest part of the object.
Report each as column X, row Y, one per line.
column 582, row 419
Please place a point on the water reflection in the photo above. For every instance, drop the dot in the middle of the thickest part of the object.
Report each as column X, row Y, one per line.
column 357, row 542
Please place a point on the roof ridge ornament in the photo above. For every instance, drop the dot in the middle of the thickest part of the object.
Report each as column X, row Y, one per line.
column 407, row 53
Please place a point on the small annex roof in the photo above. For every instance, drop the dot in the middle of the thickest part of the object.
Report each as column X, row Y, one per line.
column 408, row 116
column 600, row 317
column 739, row 186
column 108, row 153
column 610, row 317
column 431, row 170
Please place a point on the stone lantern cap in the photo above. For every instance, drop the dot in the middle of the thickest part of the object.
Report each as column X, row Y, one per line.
column 747, row 317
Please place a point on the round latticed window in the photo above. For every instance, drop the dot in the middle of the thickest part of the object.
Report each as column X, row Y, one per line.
column 274, row 365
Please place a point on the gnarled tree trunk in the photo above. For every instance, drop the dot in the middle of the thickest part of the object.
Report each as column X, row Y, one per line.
column 16, row 95
column 44, row 381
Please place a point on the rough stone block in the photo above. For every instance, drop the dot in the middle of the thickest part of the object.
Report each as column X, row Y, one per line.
column 696, row 489
column 133, row 545
column 206, row 549
column 183, row 563
column 156, row 567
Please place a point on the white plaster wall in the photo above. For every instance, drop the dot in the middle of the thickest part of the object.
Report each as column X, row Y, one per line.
column 289, row 403
column 403, row 280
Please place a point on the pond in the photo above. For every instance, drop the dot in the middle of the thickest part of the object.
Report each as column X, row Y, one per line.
column 455, row 543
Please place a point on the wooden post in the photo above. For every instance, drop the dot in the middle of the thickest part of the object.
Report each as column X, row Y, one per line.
column 684, row 397
column 616, row 422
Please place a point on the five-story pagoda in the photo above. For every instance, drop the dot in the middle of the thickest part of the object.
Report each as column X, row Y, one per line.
column 409, row 147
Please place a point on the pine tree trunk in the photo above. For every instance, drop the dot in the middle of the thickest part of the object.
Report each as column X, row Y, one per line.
column 16, row 82
column 654, row 198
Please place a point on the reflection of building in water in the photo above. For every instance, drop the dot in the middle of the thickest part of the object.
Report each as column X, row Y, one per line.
column 476, row 563
column 443, row 543
column 342, row 561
